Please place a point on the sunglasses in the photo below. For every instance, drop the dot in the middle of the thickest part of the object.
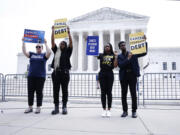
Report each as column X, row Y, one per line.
column 37, row 47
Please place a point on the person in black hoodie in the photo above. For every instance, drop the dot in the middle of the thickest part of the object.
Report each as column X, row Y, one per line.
column 106, row 77
column 60, row 76
column 128, row 73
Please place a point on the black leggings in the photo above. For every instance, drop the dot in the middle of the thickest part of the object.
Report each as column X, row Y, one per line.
column 35, row 84
column 60, row 78
column 106, row 79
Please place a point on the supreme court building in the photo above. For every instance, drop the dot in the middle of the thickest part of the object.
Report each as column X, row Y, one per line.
column 111, row 25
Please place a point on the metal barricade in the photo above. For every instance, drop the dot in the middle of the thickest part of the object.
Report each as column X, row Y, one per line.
column 15, row 85
column 151, row 86
column 80, row 85
column 2, row 86
column 161, row 86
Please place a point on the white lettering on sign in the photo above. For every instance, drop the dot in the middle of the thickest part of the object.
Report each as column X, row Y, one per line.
column 92, row 47
column 37, row 56
column 92, row 44
column 92, row 40
column 91, row 50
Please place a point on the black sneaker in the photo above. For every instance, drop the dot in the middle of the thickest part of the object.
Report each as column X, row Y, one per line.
column 124, row 114
column 134, row 115
column 55, row 111
column 64, row 111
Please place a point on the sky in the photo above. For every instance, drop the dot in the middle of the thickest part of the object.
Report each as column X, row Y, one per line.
column 16, row 15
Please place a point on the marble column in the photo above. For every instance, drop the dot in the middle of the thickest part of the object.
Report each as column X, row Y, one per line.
column 144, row 30
column 133, row 31
column 112, row 39
column 122, row 35
column 123, row 38
column 101, row 46
column 80, row 51
column 90, row 58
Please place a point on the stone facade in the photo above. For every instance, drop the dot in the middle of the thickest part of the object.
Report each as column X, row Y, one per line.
column 111, row 25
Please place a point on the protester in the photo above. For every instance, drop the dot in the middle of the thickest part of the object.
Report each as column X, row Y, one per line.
column 129, row 71
column 106, row 77
column 36, row 74
column 60, row 76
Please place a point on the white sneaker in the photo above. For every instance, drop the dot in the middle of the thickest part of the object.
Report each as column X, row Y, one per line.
column 28, row 110
column 108, row 113
column 103, row 113
column 38, row 110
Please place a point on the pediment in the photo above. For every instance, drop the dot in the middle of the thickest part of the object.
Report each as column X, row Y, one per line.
column 107, row 14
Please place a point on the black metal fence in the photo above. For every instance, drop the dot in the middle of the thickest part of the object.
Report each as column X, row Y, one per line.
column 80, row 85
column 151, row 86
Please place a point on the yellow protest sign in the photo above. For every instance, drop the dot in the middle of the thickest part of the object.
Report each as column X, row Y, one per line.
column 137, row 43
column 60, row 32
column 60, row 28
column 60, row 22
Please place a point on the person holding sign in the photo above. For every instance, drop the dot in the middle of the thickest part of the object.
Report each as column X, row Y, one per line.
column 128, row 73
column 60, row 76
column 36, row 74
column 106, row 77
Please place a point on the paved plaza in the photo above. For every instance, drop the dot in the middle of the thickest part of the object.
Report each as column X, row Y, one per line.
column 85, row 119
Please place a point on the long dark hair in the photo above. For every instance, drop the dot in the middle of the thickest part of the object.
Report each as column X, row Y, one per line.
column 111, row 49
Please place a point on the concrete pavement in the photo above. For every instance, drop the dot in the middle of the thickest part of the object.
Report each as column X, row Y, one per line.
column 85, row 119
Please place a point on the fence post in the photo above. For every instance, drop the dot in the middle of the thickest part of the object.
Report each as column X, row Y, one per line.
column 3, row 88
column 137, row 88
column 1, row 85
column 143, row 90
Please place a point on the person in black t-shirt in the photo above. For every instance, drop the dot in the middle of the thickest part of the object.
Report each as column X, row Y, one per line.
column 60, row 76
column 106, row 77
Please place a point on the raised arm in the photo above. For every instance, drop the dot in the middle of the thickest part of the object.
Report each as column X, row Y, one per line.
column 70, row 39
column 48, row 50
column 24, row 49
column 116, row 59
column 52, row 38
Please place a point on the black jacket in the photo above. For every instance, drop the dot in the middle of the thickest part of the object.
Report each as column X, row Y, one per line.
column 65, row 63
column 123, row 61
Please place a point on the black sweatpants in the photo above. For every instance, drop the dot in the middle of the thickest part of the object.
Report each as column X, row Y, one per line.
column 129, row 80
column 35, row 84
column 60, row 78
column 106, row 79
